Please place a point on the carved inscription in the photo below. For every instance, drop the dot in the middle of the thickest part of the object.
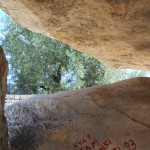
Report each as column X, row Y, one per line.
column 90, row 143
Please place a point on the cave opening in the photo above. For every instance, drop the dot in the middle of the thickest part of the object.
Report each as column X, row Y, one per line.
column 41, row 65
column 84, row 119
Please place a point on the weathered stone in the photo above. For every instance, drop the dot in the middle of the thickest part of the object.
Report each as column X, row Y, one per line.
column 116, row 32
column 3, row 124
column 98, row 118
column 110, row 117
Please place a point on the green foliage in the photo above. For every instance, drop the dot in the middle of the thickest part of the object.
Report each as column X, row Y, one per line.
column 40, row 65
column 128, row 73
column 111, row 76
column 37, row 62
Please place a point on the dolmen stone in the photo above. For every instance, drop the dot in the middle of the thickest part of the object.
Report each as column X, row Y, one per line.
column 108, row 117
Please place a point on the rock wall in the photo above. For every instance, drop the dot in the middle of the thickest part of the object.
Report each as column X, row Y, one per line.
column 3, row 124
column 116, row 32
column 109, row 117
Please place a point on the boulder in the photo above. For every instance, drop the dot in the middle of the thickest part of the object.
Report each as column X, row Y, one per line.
column 3, row 124
column 116, row 32
column 108, row 117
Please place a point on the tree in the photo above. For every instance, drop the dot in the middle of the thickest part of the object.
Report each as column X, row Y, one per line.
column 128, row 73
column 39, row 64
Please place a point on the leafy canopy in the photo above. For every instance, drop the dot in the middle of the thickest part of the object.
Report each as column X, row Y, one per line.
column 39, row 64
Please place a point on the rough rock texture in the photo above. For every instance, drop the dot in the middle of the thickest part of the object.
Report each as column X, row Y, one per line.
column 3, row 124
column 109, row 117
column 116, row 32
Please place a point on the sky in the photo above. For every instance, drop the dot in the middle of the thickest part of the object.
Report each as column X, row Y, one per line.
column 2, row 14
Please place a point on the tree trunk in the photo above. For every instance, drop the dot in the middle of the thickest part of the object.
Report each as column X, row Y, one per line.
column 3, row 123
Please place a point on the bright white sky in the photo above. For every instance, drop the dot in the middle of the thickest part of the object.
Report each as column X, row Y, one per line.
column 2, row 14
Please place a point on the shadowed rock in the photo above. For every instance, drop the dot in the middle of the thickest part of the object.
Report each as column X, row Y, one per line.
column 109, row 117
column 3, row 125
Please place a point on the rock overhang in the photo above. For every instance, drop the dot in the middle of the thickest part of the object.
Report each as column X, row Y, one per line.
column 115, row 32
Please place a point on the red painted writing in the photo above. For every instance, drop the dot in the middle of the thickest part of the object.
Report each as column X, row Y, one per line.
column 90, row 143
column 130, row 145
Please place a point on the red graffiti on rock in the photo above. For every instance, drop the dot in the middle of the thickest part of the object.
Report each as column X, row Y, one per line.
column 90, row 143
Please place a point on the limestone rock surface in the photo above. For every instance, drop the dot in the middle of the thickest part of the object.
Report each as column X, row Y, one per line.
column 109, row 117
column 116, row 32
column 3, row 124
